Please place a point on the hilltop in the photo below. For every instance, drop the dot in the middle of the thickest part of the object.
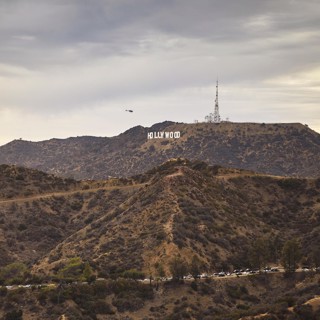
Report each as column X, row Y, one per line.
column 22, row 182
column 276, row 149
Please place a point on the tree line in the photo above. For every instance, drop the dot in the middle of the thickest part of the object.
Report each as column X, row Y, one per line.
column 262, row 252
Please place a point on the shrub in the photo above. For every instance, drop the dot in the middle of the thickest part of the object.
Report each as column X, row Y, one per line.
column 14, row 273
column 22, row 227
column 13, row 315
column 291, row 183
column 42, row 297
column 58, row 295
column 127, row 303
column 73, row 270
column 304, row 311
column 242, row 306
column 133, row 274
column 236, row 292
column 101, row 288
column 124, row 286
column 102, row 307
column 194, row 286
column 3, row 291
column 288, row 300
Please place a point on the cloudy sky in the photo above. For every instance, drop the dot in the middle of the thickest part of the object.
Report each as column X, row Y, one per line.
column 72, row 67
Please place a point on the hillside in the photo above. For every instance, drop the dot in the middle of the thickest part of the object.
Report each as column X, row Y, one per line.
column 188, row 208
column 38, row 210
column 21, row 182
column 277, row 149
column 181, row 207
column 178, row 209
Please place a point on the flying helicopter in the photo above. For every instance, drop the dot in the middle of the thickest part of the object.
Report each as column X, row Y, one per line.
column 129, row 110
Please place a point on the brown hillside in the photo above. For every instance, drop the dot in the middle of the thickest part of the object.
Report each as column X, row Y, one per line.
column 189, row 208
column 277, row 149
column 18, row 182
column 180, row 208
column 38, row 211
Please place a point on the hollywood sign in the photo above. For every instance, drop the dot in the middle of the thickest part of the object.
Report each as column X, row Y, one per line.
column 164, row 135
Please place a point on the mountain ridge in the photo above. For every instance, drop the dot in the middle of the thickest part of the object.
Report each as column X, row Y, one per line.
column 277, row 149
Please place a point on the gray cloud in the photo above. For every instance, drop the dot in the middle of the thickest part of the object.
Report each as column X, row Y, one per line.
column 59, row 56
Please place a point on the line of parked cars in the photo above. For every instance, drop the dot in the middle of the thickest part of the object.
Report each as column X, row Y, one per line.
column 236, row 272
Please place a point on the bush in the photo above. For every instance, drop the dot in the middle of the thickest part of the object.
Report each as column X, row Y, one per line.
column 81, row 293
column 194, row 286
column 102, row 307
column 42, row 297
column 243, row 306
column 16, row 295
column 288, row 300
column 13, row 315
column 72, row 270
column 127, row 303
column 130, row 295
column 14, row 273
column 101, row 288
column 58, row 295
column 236, row 292
column 133, row 274
column 291, row 183
column 22, row 227
column 304, row 311
column 3, row 291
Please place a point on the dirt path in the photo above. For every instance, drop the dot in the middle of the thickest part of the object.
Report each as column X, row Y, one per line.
column 67, row 193
column 168, row 227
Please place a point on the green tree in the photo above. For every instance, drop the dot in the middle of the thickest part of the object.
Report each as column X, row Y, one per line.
column 291, row 255
column 160, row 272
column 72, row 271
column 87, row 273
column 133, row 274
column 178, row 268
column 275, row 246
column 259, row 253
column 196, row 266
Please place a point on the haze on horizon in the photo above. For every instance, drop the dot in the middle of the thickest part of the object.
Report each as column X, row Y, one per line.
column 71, row 68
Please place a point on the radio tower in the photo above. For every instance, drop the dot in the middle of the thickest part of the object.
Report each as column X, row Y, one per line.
column 216, row 116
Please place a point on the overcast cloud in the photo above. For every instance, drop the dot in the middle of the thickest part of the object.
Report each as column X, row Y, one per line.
column 71, row 68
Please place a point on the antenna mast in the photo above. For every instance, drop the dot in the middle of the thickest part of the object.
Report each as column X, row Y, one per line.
column 216, row 116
